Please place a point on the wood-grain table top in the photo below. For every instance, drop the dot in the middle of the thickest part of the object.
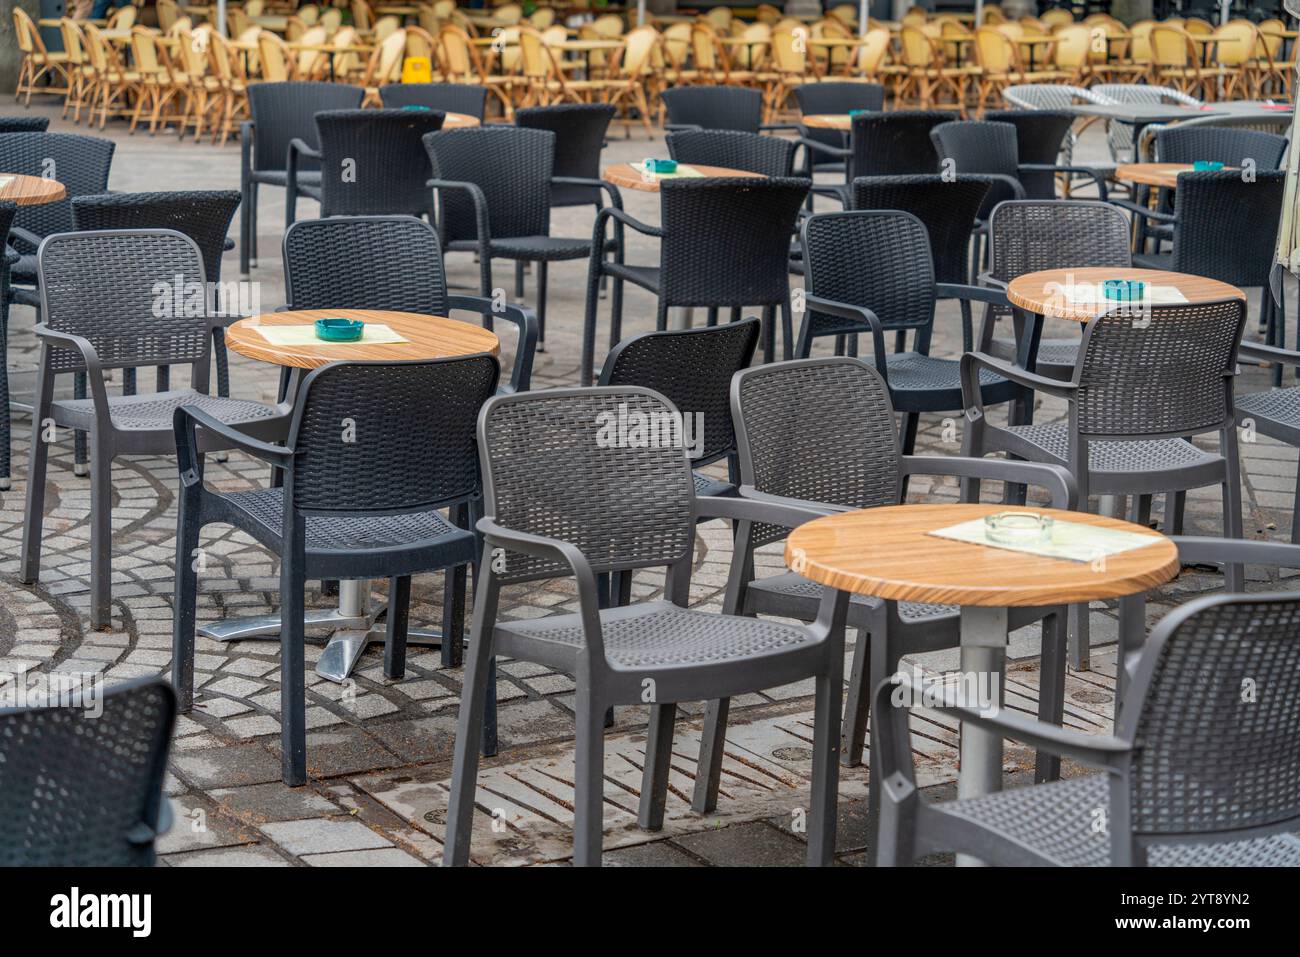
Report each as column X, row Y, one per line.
column 1164, row 175
column 454, row 121
column 1043, row 292
column 428, row 337
column 31, row 190
column 828, row 121
column 889, row 553
column 628, row 176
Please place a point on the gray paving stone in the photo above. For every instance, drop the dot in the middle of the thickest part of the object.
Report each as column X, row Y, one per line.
column 322, row 836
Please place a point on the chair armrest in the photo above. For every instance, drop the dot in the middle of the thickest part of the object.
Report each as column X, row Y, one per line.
column 860, row 314
column 25, row 236
column 611, row 212
column 524, row 319
column 70, row 343
column 839, row 152
column 971, row 362
column 987, row 281
column 299, row 147
column 1140, row 210
column 840, row 193
column 1058, row 482
column 1194, row 550
column 185, row 421
column 774, row 127
column 1257, row 350
column 754, row 506
column 480, row 207
column 953, row 290
column 1091, row 173
column 822, row 508
column 674, row 127
column 615, row 197
column 1017, row 187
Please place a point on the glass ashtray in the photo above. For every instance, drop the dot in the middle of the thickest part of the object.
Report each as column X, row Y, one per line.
column 1018, row 528
column 1124, row 290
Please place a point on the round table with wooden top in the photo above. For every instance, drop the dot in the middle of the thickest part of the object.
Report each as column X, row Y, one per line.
column 1045, row 293
column 630, row 176
column 1164, row 175
column 891, row 553
column 828, row 121
column 30, row 190
column 454, row 121
column 427, row 337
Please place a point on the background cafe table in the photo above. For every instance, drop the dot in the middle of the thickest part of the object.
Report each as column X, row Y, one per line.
column 30, row 190
column 828, row 121
column 1045, row 293
column 1164, row 175
column 426, row 337
column 633, row 176
column 890, row 553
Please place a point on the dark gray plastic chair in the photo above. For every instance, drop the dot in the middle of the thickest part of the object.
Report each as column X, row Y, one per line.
column 634, row 507
column 81, row 784
column 281, row 113
column 1275, row 412
column 1028, row 235
column 101, row 309
column 7, row 258
column 447, row 97
column 733, row 149
column 1201, row 771
column 369, row 508
column 833, row 417
column 1143, row 386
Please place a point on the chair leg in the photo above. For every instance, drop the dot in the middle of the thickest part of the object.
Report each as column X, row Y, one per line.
column 101, row 533
column 967, row 327
column 589, row 321
column 1295, row 512
column 1051, row 690
column 713, row 739
column 37, row 462
column 1175, row 505
column 658, row 760
column 5, row 423
column 519, row 279
column 542, row 282
column 245, row 226
column 293, row 672
column 853, row 734
column 453, row 616
column 588, row 781
column 769, row 334
column 787, row 331
column 1234, row 575
column 399, row 612
column 186, row 598
column 79, row 460
column 825, row 762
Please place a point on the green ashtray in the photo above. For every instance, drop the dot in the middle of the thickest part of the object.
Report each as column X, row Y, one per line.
column 661, row 166
column 1124, row 290
column 1207, row 166
column 339, row 330
column 415, row 106
column 859, row 112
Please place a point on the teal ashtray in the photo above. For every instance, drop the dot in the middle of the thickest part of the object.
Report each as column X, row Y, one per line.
column 1124, row 290
column 859, row 112
column 1207, row 166
column 661, row 166
column 415, row 106
column 339, row 330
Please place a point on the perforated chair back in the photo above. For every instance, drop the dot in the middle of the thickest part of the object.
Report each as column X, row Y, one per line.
column 692, row 368
column 393, row 263
column 373, row 161
column 1226, row 225
column 1033, row 234
column 105, row 287
column 388, row 437
column 1041, row 135
column 714, row 107
column 1165, row 372
column 1214, row 714
column 448, row 97
column 80, row 163
column 82, row 784
column 510, row 165
column 1231, row 146
column 947, row 207
column 731, row 149
column 558, row 463
column 974, row 146
column 889, row 144
column 283, row 112
column 579, row 130
column 23, row 124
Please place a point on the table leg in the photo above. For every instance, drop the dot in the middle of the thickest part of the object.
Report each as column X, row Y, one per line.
column 983, row 656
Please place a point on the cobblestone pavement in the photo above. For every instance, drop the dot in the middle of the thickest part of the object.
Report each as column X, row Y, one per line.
column 379, row 751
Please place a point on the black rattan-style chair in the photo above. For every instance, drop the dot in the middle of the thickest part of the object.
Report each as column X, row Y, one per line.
column 24, row 124
column 281, row 113
column 724, row 243
column 81, row 782
column 947, row 207
column 536, row 449
column 80, row 163
column 715, row 108
column 833, row 416
column 372, row 163
column 1275, row 412
column 394, row 263
column 731, row 149
column 897, row 294
column 7, row 211
column 883, row 144
column 1041, row 140
column 100, row 296
column 1028, row 235
column 494, row 196
column 368, row 508
column 1201, row 769
column 1145, row 382
column 447, row 97
column 579, row 130
column 837, row 98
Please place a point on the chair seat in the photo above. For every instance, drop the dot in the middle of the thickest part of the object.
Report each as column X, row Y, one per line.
column 24, row 270
column 704, row 485
column 1153, row 260
column 279, row 177
column 920, row 383
column 1054, row 822
column 152, row 411
column 647, row 277
column 540, row 248
column 807, row 595
column 1051, row 443
column 660, row 635
column 1051, row 352
column 1275, row 412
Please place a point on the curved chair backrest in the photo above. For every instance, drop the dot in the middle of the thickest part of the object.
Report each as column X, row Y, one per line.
column 833, row 97
column 579, row 130
column 727, row 241
column 557, row 463
column 23, row 124
column 373, row 161
column 947, row 208
column 899, row 285
column 202, row 215
column 821, row 430
column 286, row 111
column 714, row 107
column 1226, row 225
column 692, row 368
column 1164, row 372
column 82, row 783
column 80, row 163
column 1040, row 137
column 1033, row 234
column 448, row 97
column 393, row 263
column 1231, row 146
column 975, row 146
column 104, row 286
column 1212, row 708
column 413, row 448
column 731, row 149
column 889, row 144
column 1047, row 96
column 510, row 165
